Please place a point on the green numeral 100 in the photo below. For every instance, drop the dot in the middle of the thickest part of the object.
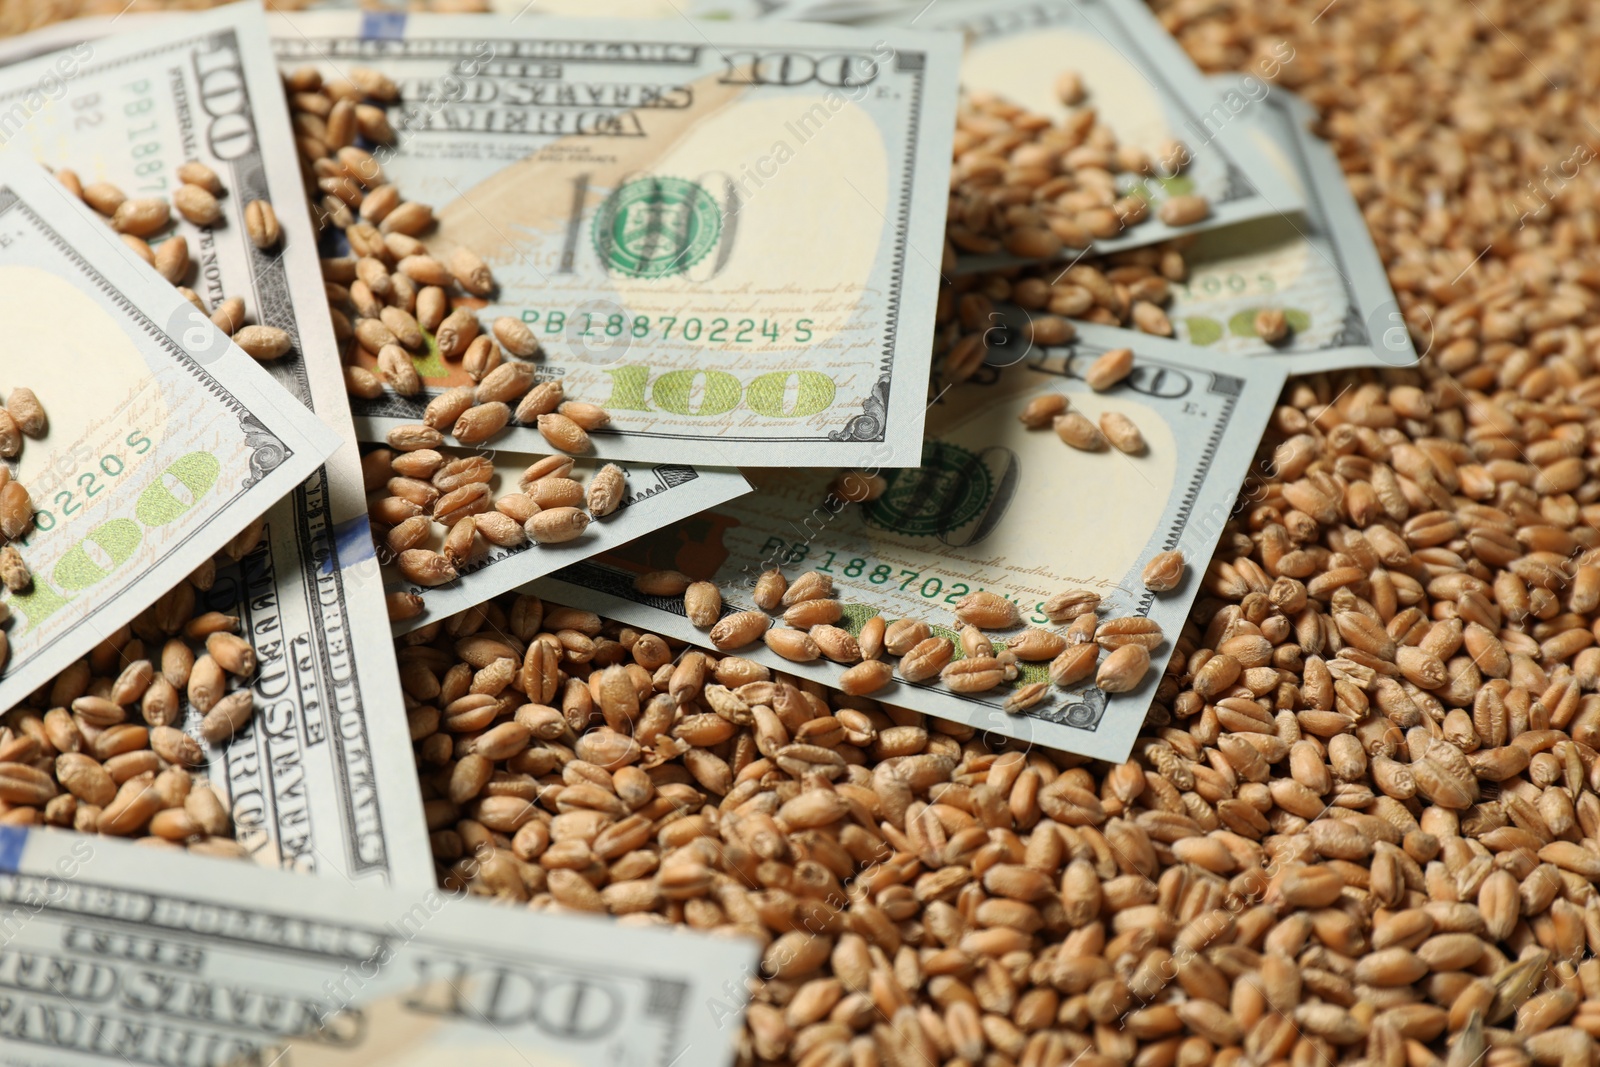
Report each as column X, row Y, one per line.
column 116, row 540
column 720, row 392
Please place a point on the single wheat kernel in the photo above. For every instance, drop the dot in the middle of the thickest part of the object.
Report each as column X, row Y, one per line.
column 702, row 604
column 797, row 646
column 606, row 490
column 1042, row 410
column 1123, row 669
column 1075, row 429
column 1164, row 572
column 557, row 525
column 472, row 272
column 1184, row 210
column 412, row 438
column 563, row 433
column 478, row 424
column 426, row 567
column 104, row 197
column 987, row 610
column 505, row 383
column 410, row 218
column 14, row 572
column 739, row 630
column 1271, row 325
column 171, row 258
column 1109, row 369
column 586, row 416
column 23, row 406
column 515, row 336
column 1122, row 433
column 769, row 590
column 264, row 343
column 228, row 316
column 662, row 583
column 195, row 204
column 443, row 410
column 543, row 399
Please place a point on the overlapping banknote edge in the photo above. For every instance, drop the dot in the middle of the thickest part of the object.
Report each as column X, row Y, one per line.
column 658, row 497
column 393, row 971
column 1373, row 331
column 1082, row 720
column 360, row 816
column 1254, row 188
column 287, row 446
column 899, row 409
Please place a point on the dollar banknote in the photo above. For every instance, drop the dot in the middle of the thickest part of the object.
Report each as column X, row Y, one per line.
column 1318, row 266
column 726, row 235
column 994, row 506
column 115, row 955
column 1136, row 77
column 160, row 440
column 656, row 497
column 323, row 779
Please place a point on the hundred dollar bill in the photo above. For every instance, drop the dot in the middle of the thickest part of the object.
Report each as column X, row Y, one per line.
column 656, row 498
column 163, row 440
column 323, row 779
column 117, row 955
column 994, row 506
column 1318, row 266
column 1137, row 78
column 727, row 235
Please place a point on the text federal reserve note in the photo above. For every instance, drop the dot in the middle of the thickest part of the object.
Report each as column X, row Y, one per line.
column 994, row 506
column 726, row 235
column 160, row 439
column 323, row 779
column 118, row 955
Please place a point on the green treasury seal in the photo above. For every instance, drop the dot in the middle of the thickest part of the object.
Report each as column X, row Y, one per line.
column 951, row 488
column 656, row 227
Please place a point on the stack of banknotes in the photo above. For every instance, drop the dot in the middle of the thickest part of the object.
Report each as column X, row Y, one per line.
column 734, row 233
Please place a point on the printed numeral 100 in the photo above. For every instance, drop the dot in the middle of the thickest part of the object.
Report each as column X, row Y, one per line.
column 115, row 541
column 720, row 392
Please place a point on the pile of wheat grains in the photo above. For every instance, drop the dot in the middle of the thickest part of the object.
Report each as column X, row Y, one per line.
column 1362, row 824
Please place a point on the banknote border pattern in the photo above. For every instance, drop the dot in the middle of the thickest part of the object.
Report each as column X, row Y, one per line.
column 875, row 407
column 339, row 697
column 268, row 272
